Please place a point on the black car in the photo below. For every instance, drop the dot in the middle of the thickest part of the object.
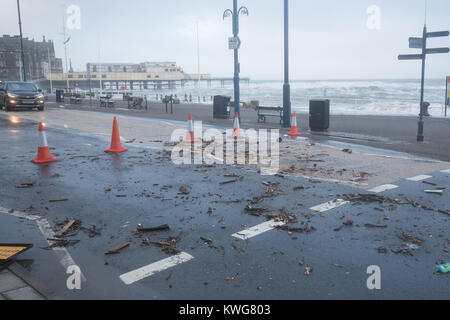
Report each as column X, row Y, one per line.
column 16, row 94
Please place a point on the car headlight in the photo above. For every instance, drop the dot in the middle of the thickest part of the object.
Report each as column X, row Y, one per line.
column 11, row 95
column 41, row 96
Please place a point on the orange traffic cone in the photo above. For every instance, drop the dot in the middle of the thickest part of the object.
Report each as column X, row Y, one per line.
column 116, row 146
column 236, row 126
column 190, row 135
column 43, row 155
column 294, row 132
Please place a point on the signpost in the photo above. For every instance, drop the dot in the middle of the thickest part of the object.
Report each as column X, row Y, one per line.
column 234, row 43
column 421, row 43
column 447, row 94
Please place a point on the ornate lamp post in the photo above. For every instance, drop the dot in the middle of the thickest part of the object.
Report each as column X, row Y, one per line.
column 234, row 44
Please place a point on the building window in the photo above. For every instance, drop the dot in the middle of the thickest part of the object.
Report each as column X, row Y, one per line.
column 124, row 69
column 94, row 68
column 104, row 76
column 80, row 76
column 94, row 76
column 109, row 69
column 70, row 76
column 149, row 76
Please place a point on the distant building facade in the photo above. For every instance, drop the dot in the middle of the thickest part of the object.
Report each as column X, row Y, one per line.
column 39, row 59
column 144, row 67
column 124, row 76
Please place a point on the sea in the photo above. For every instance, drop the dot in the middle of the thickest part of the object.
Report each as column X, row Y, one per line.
column 363, row 97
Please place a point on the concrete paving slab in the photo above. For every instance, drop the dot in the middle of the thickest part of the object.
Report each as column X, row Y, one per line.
column 9, row 281
column 26, row 293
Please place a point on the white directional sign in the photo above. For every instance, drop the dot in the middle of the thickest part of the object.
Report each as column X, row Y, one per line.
column 410, row 57
column 438, row 34
column 438, row 50
column 415, row 43
column 234, row 43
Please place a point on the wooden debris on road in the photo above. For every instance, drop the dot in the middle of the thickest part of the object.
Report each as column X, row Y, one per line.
column 282, row 216
column 61, row 243
column 370, row 225
column 26, row 185
column 348, row 223
column 240, row 178
column 59, row 200
column 140, row 229
column 305, row 229
column 183, row 190
column 118, row 248
column 250, row 209
column 410, row 238
column 65, row 229
column 169, row 245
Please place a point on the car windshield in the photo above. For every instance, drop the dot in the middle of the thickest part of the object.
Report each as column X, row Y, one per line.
column 21, row 86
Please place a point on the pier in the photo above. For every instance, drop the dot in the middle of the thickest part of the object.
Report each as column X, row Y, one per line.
column 84, row 83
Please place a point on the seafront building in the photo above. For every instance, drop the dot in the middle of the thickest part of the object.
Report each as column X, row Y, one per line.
column 39, row 59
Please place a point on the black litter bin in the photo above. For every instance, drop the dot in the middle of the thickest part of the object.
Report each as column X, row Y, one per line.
column 319, row 114
column 221, row 107
column 59, row 95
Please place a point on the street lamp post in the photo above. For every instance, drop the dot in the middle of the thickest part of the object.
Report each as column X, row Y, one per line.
column 235, row 44
column 286, row 85
column 21, row 43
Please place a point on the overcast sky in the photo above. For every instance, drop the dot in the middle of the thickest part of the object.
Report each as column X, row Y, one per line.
column 330, row 39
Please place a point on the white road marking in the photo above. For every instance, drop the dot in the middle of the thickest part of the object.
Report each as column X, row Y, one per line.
column 446, row 171
column 220, row 161
column 63, row 255
column 19, row 214
column 344, row 182
column 419, row 178
column 329, row 205
column 383, row 188
column 151, row 269
column 257, row 230
column 65, row 259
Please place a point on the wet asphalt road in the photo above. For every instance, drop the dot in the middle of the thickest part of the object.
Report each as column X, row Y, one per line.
column 268, row 266
column 397, row 133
